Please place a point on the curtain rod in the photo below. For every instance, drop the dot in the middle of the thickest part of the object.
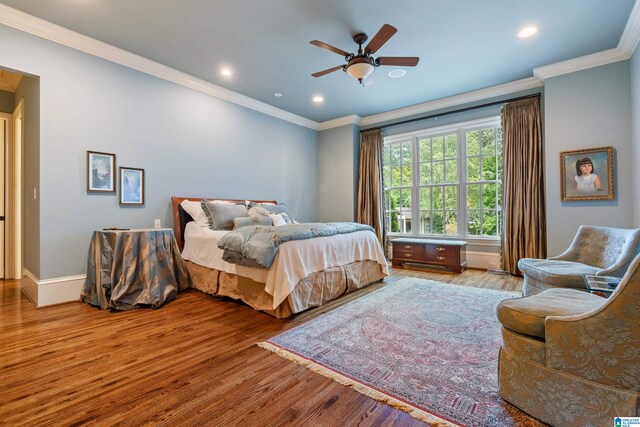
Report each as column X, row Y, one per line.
column 461, row 110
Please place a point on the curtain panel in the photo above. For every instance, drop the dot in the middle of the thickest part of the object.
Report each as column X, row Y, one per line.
column 370, row 182
column 524, row 226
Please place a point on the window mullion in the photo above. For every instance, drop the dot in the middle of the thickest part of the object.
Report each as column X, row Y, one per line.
column 415, row 196
column 462, row 183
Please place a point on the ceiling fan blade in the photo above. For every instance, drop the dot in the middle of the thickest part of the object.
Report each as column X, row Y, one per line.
column 329, row 47
column 330, row 70
column 402, row 61
column 385, row 33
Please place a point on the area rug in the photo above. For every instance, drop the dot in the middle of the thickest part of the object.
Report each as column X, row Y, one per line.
column 428, row 348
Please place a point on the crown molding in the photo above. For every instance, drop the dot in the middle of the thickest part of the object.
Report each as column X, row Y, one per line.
column 631, row 34
column 340, row 121
column 624, row 50
column 452, row 101
column 581, row 63
column 55, row 33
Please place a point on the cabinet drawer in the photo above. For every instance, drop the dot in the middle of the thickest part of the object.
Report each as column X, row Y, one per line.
column 443, row 258
column 408, row 247
column 404, row 255
column 444, row 250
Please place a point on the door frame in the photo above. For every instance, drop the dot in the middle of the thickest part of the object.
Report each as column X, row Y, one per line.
column 13, row 191
column 7, row 120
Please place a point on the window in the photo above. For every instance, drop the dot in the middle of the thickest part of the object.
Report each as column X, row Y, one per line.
column 445, row 181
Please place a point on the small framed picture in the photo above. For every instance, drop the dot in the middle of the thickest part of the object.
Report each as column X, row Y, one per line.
column 101, row 172
column 587, row 174
column 131, row 186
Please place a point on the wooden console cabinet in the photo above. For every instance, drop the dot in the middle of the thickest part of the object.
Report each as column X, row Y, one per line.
column 447, row 254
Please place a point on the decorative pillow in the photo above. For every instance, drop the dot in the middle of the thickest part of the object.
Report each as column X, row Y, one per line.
column 277, row 220
column 197, row 213
column 221, row 215
column 279, row 209
column 247, row 220
column 287, row 218
column 250, row 204
column 258, row 211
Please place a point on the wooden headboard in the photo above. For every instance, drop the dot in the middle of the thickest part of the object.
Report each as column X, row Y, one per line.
column 181, row 217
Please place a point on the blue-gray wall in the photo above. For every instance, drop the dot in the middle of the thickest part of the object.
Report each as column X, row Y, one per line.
column 28, row 92
column 338, row 151
column 588, row 109
column 635, row 130
column 6, row 101
column 189, row 144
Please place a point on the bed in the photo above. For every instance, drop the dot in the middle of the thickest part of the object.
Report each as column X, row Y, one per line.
column 304, row 274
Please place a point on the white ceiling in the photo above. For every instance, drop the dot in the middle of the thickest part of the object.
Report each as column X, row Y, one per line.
column 463, row 45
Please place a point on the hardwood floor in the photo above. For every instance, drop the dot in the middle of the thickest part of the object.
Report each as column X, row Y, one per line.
column 192, row 362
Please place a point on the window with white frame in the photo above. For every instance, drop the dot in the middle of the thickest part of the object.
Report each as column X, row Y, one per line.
column 445, row 181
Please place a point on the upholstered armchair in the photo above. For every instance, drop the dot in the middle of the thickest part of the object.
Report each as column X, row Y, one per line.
column 571, row 358
column 602, row 251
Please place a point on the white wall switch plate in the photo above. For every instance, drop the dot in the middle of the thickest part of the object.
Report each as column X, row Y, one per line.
column 157, row 223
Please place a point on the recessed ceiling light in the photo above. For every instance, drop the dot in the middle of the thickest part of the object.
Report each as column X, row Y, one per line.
column 527, row 32
column 318, row 99
column 277, row 95
column 396, row 74
column 226, row 72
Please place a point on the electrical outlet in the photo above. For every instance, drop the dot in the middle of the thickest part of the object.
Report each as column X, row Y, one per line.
column 157, row 223
column 35, row 194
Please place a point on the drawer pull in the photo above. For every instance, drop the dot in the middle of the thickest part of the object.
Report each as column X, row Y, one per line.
column 408, row 246
column 442, row 249
column 408, row 255
column 441, row 258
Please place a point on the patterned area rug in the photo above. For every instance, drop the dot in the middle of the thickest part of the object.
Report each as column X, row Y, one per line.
column 428, row 348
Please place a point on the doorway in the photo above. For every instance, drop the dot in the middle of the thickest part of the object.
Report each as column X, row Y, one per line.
column 4, row 139
column 11, row 194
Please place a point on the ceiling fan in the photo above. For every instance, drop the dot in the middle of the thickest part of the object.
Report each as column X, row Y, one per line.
column 360, row 65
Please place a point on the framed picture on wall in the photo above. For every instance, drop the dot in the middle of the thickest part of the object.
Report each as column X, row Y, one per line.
column 131, row 186
column 101, row 172
column 587, row 174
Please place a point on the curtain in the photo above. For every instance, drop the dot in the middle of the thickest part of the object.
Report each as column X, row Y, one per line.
column 370, row 182
column 524, row 225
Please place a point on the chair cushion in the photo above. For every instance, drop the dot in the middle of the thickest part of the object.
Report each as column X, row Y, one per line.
column 527, row 315
column 566, row 274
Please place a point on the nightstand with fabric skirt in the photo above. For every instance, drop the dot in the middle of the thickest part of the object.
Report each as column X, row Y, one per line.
column 132, row 268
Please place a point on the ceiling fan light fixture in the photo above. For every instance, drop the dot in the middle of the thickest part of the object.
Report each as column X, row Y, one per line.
column 360, row 70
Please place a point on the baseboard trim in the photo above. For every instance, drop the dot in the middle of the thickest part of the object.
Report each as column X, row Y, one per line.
column 52, row 291
column 59, row 290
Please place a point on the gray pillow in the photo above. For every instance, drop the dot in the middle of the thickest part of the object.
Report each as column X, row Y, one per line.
column 221, row 215
column 248, row 220
column 280, row 209
column 258, row 211
column 275, row 209
column 287, row 218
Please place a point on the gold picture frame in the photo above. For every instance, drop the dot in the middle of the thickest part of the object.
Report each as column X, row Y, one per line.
column 587, row 174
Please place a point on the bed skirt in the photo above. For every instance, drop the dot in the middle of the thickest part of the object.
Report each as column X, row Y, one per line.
column 313, row 291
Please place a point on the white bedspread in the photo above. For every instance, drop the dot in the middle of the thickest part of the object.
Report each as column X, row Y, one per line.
column 294, row 261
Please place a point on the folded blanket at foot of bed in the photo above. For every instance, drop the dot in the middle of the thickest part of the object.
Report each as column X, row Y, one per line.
column 257, row 245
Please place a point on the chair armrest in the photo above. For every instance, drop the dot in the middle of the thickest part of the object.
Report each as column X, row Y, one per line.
column 570, row 254
column 621, row 263
column 599, row 345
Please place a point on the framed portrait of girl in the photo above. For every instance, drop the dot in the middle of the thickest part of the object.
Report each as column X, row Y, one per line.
column 587, row 174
